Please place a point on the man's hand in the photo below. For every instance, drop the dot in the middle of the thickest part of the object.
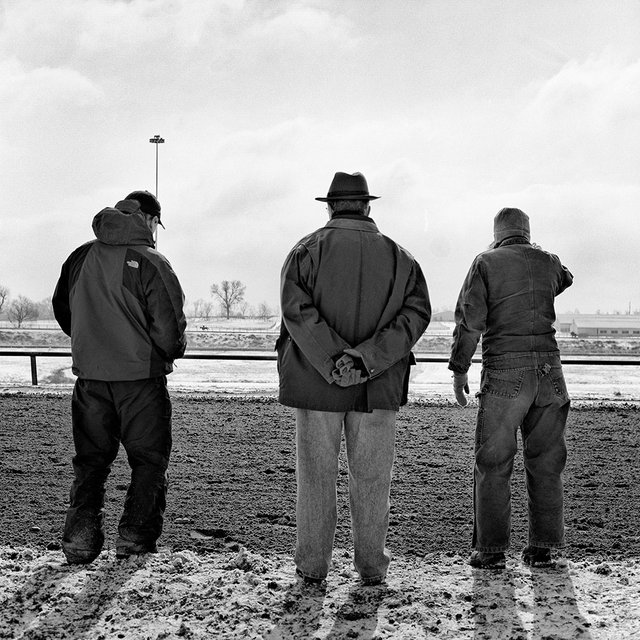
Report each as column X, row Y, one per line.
column 358, row 361
column 344, row 363
column 350, row 369
column 460, row 388
column 348, row 378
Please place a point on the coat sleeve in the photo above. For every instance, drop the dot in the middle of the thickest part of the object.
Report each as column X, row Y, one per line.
column 470, row 318
column 319, row 343
column 60, row 300
column 394, row 341
column 565, row 279
column 165, row 309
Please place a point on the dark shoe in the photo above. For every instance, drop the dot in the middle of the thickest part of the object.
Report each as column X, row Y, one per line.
column 308, row 580
column 76, row 555
column 487, row 560
column 83, row 537
column 124, row 551
column 372, row 582
column 537, row 556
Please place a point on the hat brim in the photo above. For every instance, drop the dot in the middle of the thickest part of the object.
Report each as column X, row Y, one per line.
column 333, row 198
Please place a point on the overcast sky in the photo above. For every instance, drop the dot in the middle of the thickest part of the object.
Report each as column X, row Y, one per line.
column 452, row 109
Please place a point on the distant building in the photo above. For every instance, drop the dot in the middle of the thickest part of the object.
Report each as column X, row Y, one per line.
column 442, row 316
column 601, row 326
column 581, row 325
column 564, row 321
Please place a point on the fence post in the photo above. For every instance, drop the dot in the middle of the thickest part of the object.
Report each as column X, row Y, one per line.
column 34, row 370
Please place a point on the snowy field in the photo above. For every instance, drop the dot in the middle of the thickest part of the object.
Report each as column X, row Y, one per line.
column 428, row 380
column 242, row 595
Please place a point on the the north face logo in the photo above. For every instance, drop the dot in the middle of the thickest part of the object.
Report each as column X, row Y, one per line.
column 133, row 264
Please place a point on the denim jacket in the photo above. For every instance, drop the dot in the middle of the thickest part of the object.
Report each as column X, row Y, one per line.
column 508, row 299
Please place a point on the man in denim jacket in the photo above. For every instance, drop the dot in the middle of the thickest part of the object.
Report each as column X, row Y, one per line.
column 508, row 299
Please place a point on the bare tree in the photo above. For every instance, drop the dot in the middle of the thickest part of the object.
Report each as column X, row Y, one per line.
column 202, row 308
column 230, row 293
column 22, row 309
column 45, row 309
column 206, row 308
column 4, row 294
column 264, row 311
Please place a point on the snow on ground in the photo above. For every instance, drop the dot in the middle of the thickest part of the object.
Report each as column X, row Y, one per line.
column 428, row 380
column 237, row 594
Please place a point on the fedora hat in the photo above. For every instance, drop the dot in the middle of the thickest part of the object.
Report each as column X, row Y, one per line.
column 348, row 186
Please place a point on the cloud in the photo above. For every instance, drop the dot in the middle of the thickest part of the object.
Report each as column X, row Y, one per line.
column 25, row 93
column 254, row 197
column 261, row 102
column 596, row 90
column 585, row 120
column 43, row 110
column 299, row 24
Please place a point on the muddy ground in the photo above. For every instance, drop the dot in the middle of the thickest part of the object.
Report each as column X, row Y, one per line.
column 232, row 478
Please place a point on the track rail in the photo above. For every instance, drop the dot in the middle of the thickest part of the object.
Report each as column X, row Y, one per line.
column 34, row 354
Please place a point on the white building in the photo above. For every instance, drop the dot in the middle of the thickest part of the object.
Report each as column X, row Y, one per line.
column 604, row 326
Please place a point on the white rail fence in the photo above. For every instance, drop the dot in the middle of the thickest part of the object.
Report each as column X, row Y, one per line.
column 34, row 354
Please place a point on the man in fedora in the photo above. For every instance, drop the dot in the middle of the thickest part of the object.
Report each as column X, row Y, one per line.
column 508, row 299
column 353, row 305
column 121, row 303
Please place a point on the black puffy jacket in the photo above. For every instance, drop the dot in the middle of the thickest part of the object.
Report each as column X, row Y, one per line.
column 121, row 303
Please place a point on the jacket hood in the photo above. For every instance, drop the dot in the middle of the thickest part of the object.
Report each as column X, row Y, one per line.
column 114, row 227
column 511, row 222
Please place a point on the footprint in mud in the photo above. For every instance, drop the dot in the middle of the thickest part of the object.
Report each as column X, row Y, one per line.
column 276, row 518
column 208, row 534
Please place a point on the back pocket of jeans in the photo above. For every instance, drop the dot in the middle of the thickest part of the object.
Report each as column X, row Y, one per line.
column 558, row 382
column 505, row 383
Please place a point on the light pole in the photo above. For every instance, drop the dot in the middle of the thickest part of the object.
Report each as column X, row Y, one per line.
column 157, row 140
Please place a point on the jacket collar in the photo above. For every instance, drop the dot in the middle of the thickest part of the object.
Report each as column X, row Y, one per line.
column 351, row 221
column 513, row 240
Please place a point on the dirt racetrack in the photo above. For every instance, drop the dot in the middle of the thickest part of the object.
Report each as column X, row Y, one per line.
column 232, row 474
column 232, row 490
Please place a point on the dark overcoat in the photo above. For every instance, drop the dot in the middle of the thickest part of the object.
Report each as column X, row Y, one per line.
column 348, row 286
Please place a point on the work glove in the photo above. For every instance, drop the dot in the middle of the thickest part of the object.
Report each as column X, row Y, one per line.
column 460, row 388
column 348, row 378
column 358, row 361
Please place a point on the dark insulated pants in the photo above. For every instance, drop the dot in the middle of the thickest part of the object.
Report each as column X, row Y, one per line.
column 526, row 392
column 104, row 414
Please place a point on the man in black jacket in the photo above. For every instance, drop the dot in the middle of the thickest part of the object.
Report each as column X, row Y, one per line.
column 354, row 303
column 122, row 305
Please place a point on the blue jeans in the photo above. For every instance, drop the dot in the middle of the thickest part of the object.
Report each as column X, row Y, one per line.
column 525, row 391
column 370, row 440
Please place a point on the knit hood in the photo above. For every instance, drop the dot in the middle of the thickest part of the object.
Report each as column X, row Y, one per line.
column 510, row 222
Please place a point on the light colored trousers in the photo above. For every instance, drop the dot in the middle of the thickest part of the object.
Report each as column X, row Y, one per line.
column 370, row 440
